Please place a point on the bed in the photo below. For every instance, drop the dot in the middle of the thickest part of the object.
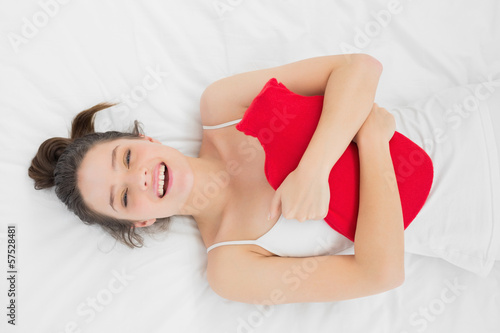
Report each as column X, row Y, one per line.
column 156, row 58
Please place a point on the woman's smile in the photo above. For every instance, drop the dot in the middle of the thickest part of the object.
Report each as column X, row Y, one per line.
column 160, row 182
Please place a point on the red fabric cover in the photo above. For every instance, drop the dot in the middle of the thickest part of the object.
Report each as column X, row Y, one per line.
column 284, row 123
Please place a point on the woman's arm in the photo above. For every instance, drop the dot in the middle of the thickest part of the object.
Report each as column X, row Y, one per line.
column 379, row 238
column 378, row 263
column 349, row 97
column 347, row 81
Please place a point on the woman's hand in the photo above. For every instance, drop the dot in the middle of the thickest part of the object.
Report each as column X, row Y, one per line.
column 303, row 195
column 379, row 124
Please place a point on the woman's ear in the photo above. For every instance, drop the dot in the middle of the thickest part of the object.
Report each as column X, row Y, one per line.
column 149, row 138
column 144, row 223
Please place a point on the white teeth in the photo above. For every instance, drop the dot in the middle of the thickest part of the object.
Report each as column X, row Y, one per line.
column 161, row 181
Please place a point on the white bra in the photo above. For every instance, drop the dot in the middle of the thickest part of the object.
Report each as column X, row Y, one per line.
column 292, row 238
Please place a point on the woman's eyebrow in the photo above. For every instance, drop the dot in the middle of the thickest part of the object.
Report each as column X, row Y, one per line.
column 113, row 165
column 113, row 157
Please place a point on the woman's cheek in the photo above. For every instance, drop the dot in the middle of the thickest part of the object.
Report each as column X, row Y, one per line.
column 143, row 205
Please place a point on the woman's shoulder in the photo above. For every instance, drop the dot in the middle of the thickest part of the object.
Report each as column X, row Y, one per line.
column 217, row 108
column 225, row 258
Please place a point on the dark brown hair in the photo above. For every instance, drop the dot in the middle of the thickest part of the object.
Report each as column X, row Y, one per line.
column 56, row 164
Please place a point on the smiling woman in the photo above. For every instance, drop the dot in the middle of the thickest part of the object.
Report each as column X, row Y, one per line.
column 115, row 179
column 122, row 179
column 66, row 164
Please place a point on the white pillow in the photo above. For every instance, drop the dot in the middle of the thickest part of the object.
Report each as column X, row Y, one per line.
column 460, row 221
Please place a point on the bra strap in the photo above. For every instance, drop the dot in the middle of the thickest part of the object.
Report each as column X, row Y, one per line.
column 231, row 243
column 222, row 125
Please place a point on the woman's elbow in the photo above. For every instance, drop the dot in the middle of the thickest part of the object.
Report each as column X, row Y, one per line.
column 368, row 62
column 393, row 279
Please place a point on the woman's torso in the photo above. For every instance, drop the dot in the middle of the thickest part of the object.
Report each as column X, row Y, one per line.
column 245, row 215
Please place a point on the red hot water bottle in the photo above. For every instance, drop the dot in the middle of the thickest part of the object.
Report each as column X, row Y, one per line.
column 284, row 123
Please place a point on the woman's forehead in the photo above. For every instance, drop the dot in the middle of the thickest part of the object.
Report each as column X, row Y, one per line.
column 108, row 146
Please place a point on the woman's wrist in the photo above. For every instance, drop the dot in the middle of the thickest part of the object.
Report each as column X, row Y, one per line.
column 371, row 141
column 311, row 168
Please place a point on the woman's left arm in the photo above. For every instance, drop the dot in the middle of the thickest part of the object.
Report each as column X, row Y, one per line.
column 348, row 83
column 348, row 99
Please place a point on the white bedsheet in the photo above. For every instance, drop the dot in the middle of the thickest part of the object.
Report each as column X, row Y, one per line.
column 156, row 57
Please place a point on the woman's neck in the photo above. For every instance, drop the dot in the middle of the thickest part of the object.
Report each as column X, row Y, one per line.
column 211, row 192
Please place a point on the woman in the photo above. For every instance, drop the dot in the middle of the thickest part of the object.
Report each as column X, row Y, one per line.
column 128, row 181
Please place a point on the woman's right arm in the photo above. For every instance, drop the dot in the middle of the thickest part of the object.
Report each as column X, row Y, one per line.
column 379, row 238
column 378, row 263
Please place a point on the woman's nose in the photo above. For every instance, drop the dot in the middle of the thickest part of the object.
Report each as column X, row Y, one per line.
column 144, row 181
column 141, row 178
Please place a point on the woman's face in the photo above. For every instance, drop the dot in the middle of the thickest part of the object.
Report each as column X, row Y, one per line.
column 120, row 178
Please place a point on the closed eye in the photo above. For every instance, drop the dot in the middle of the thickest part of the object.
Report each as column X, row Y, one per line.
column 124, row 199
column 127, row 158
column 125, row 195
